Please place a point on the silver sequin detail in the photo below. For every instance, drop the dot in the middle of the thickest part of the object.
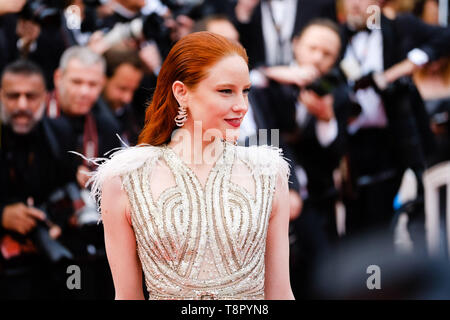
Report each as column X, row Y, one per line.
column 202, row 243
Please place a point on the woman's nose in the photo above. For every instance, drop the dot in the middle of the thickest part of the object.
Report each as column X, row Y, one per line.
column 241, row 105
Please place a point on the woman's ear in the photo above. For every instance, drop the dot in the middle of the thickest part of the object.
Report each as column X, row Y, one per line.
column 180, row 92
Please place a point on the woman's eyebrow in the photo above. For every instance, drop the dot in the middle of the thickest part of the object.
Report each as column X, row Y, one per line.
column 232, row 85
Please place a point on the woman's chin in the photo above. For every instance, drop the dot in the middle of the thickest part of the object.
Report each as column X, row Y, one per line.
column 231, row 135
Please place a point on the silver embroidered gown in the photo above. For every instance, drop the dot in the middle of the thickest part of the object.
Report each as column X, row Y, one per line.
column 195, row 241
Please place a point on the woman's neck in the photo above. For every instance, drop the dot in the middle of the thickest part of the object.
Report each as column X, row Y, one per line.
column 194, row 148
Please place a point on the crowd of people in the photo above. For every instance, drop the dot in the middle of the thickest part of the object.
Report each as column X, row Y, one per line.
column 355, row 96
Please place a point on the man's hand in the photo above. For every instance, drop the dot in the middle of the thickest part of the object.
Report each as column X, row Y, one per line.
column 320, row 107
column 244, row 10
column 97, row 43
column 150, row 56
column 11, row 6
column 21, row 218
column 82, row 176
column 106, row 9
column 401, row 69
column 300, row 76
column 54, row 231
column 28, row 31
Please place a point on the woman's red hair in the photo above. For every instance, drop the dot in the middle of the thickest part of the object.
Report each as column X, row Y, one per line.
column 188, row 61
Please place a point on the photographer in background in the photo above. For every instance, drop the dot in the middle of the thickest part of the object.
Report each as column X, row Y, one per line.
column 29, row 172
column 392, row 132
column 267, row 27
column 8, row 9
column 79, row 81
column 318, row 110
column 39, row 36
column 123, row 76
column 433, row 83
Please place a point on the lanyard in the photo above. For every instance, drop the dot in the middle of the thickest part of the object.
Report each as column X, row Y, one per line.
column 361, row 60
column 281, row 42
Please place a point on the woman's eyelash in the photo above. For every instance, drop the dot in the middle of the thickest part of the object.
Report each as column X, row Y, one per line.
column 246, row 91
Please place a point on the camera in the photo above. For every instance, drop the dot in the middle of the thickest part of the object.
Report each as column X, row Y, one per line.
column 149, row 27
column 86, row 212
column 190, row 8
column 52, row 249
column 326, row 84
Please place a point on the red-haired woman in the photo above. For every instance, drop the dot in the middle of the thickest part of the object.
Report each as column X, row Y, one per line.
column 202, row 217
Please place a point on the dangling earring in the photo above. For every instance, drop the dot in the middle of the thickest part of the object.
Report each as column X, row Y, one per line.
column 181, row 118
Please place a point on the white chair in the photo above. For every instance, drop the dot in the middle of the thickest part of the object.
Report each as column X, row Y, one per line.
column 434, row 178
column 406, row 193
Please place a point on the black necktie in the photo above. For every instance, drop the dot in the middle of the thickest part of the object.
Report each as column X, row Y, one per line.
column 351, row 32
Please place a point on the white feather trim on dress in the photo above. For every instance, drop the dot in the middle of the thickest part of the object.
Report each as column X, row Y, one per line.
column 265, row 160
column 120, row 161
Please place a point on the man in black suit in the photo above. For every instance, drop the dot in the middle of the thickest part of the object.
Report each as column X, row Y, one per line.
column 30, row 171
column 267, row 27
column 316, row 135
column 392, row 132
column 24, row 35
column 79, row 81
column 123, row 77
column 260, row 127
column 123, row 11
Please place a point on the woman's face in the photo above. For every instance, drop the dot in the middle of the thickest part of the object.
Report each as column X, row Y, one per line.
column 220, row 101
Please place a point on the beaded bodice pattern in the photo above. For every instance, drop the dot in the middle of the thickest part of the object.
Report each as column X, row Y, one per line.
column 204, row 242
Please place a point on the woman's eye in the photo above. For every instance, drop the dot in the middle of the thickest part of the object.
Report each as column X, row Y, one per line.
column 246, row 91
column 227, row 91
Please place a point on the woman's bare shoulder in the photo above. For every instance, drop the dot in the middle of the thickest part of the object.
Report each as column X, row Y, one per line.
column 114, row 199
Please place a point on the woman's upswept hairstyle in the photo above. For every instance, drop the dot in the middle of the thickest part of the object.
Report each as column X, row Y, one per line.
column 188, row 61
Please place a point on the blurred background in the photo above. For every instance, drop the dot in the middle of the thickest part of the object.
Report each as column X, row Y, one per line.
column 358, row 89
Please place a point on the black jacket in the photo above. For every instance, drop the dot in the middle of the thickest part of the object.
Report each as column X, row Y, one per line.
column 264, row 104
column 32, row 165
column 318, row 161
column 405, row 33
column 50, row 45
column 107, row 130
column 127, row 119
column 405, row 110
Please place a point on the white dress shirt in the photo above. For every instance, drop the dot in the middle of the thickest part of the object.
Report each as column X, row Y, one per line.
column 366, row 49
column 326, row 131
column 284, row 14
